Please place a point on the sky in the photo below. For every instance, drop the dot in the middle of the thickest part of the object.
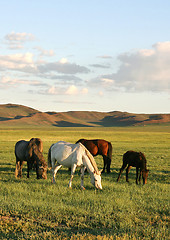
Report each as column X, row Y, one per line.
column 93, row 55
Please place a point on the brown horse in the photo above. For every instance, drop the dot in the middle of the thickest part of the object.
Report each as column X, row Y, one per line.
column 30, row 152
column 134, row 159
column 99, row 147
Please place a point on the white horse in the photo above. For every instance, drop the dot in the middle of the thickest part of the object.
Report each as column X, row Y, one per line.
column 71, row 156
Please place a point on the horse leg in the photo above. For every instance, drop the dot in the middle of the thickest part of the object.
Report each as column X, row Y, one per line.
column 137, row 175
column 105, row 163
column 28, row 169
column 108, row 164
column 140, row 176
column 73, row 169
column 54, row 171
column 17, row 168
column 20, row 169
column 127, row 171
column 82, row 177
column 121, row 170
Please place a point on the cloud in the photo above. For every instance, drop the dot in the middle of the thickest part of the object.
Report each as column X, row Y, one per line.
column 105, row 57
column 18, row 62
column 8, row 82
column 68, row 90
column 16, row 40
column 139, row 71
column 72, row 90
column 100, row 66
column 25, row 63
column 43, row 52
column 62, row 66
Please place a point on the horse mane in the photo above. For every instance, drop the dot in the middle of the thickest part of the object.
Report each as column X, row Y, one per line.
column 40, row 157
column 91, row 158
column 143, row 158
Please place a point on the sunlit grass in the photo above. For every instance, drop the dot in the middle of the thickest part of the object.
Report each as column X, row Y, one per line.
column 37, row 209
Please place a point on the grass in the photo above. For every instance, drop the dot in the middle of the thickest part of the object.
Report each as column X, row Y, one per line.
column 37, row 209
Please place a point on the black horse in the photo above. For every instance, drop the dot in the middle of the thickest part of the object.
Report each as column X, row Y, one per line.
column 99, row 147
column 30, row 152
column 134, row 159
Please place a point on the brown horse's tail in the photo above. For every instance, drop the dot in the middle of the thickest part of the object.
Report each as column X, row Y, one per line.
column 109, row 153
column 49, row 157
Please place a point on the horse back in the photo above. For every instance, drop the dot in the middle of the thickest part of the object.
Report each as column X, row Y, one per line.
column 105, row 148
column 134, row 159
column 66, row 153
column 91, row 145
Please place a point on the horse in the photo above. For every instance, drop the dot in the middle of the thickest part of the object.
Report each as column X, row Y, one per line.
column 71, row 156
column 30, row 152
column 134, row 159
column 99, row 147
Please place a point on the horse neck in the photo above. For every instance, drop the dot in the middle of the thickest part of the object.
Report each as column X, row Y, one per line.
column 143, row 161
column 39, row 156
column 89, row 166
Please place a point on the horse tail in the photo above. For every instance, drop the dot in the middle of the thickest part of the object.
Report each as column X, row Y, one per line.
column 109, row 153
column 49, row 157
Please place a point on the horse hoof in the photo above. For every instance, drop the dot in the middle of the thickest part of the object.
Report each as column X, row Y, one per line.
column 53, row 181
column 83, row 188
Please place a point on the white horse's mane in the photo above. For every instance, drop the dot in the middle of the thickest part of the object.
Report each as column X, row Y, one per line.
column 91, row 158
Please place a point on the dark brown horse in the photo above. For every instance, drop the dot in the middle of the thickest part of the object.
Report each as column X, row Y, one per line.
column 99, row 147
column 30, row 152
column 134, row 159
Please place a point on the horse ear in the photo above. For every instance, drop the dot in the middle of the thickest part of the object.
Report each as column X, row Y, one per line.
column 39, row 144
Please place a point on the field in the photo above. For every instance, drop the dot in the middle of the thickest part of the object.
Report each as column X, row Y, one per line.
column 37, row 209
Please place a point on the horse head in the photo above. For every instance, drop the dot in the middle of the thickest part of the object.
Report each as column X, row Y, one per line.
column 145, row 173
column 96, row 180
column 41, row 165
column 35, row 148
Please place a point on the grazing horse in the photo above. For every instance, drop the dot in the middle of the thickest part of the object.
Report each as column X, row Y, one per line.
column 99, row 147
column 134, row 159
column 71, row 156
column 30, row 152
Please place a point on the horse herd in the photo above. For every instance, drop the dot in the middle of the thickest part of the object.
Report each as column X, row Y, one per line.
column 81, row 154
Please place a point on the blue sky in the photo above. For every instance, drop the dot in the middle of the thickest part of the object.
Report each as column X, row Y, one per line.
column 93, row 55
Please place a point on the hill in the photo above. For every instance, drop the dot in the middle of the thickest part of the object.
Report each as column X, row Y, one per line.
column 19, row 115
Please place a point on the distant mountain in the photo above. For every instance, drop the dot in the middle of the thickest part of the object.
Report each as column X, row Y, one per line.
column 18, row 115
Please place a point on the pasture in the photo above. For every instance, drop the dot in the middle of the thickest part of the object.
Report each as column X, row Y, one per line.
column 37, row 209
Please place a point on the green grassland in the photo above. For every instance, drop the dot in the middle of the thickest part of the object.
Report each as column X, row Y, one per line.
column 37, row 209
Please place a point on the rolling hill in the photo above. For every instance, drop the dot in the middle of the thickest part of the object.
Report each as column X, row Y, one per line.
column 19, row 115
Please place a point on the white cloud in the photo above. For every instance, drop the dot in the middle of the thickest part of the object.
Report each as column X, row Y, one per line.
column 7, row 82
column 62, row 67
column 16, row 40
column 72, row 90
column 143, row 70
column 85, row 91
column 107, row 81
column 105, row 57
column 63, row 60
column 43, row 52
column 52, row 90
column 16, row 61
